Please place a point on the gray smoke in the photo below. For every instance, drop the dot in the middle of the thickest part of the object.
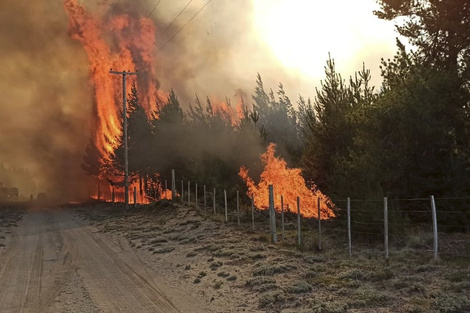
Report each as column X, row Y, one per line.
column 47, row 111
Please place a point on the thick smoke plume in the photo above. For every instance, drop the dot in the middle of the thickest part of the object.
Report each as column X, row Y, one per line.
column 48, row 109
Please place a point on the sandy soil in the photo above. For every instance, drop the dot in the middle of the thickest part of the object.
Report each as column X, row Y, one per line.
column 56, row 263
column 165, row 258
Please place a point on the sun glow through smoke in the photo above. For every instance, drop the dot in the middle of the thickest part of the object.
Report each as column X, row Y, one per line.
column 301, row 33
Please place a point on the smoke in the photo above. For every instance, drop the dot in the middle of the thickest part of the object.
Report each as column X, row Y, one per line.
column 48, row 111
column 217, row 53
column 46, row 100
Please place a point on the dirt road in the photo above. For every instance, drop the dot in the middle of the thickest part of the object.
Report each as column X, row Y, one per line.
column 55, row 263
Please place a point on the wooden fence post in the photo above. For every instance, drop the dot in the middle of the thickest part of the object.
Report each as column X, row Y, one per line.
column 205, row 203
column 349, row 227
column 282, row 217
column 189, row 192
column 225, row 200
column 213, row 198
column 238, row 207
column 173, row 185
column 272, row 214
column 299, row 230
column 434, row 228
column 252, row 213
column 319, row 223
column 135, row 196
column 182, row 191
column 196, row 197
column 386, row 228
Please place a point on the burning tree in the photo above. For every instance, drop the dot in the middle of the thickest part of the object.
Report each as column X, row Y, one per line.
column 120, row 39
column 289, row 183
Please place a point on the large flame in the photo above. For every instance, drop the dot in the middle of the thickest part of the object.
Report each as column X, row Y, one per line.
column 122, row 42
column 289, row 183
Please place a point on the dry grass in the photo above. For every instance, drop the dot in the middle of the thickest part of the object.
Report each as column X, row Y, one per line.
column 286, row 275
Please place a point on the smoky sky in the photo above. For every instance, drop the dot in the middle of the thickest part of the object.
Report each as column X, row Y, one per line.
column 45, row 103
column 47, row 107
column 46, row 117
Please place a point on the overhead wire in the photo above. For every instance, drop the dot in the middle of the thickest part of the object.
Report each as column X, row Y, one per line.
column 176, row 17
column 156, row 5
column 182, row 27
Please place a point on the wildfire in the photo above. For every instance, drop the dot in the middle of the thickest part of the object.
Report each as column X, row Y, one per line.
column 289, row 183
column 122, row 41
column 119, row 41
column 224, row 110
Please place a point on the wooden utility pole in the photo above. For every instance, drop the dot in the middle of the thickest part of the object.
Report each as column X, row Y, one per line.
column 124, row 110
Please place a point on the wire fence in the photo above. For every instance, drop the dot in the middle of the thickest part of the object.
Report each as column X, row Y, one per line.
column 423, row 222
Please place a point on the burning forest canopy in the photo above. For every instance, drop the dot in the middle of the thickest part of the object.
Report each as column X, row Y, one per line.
column 57, row 90
column 61, row 108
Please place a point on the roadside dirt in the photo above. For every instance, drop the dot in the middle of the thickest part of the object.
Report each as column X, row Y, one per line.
column 174, row 258
column 54, row 262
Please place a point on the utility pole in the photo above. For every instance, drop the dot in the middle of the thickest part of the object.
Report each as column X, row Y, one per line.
column 126, row 161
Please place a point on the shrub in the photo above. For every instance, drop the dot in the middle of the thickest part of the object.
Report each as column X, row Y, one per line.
column 299, row 287
column 260, row 280
column 451, row 304
column 271, row 298
column 329, row 307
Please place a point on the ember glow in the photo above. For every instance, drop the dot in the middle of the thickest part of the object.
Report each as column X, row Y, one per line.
column 123, row 42
column 224, row 109
column 289, row 183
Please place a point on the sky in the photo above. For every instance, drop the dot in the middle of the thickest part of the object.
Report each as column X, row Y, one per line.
column 47, row 103
column 286, row 41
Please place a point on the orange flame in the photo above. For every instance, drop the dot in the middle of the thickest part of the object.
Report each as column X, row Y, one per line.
column 226, row 112
column 288, row 183
column 122, row 42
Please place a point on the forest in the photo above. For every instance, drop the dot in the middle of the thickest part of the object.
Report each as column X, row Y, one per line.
column 408, row 138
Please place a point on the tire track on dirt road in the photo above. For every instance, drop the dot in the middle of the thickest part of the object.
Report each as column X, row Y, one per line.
column 50, row 247
column 27, row 282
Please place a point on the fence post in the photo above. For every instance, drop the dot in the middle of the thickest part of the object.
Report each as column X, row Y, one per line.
column 173, row 185
column 214, row 200
column 298, row 223
column 386, row 228
column 282, row 217
column 272, row 214
column 112, row 195
column 182, row 191
column 349, row 226
column 225, row 200
column 196, row 197
column 434, row 227
column 166, row 188
column 238, row 207
column 189, row 192
column 135, row 196
column 319, row 223
column 252, row 213
column 205, row 203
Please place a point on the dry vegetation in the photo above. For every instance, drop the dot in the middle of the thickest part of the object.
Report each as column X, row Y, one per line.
column 225, row 263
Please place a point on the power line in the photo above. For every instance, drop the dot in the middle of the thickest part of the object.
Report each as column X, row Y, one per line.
column 182, row 27
column 166, row 28
column 156, row 5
